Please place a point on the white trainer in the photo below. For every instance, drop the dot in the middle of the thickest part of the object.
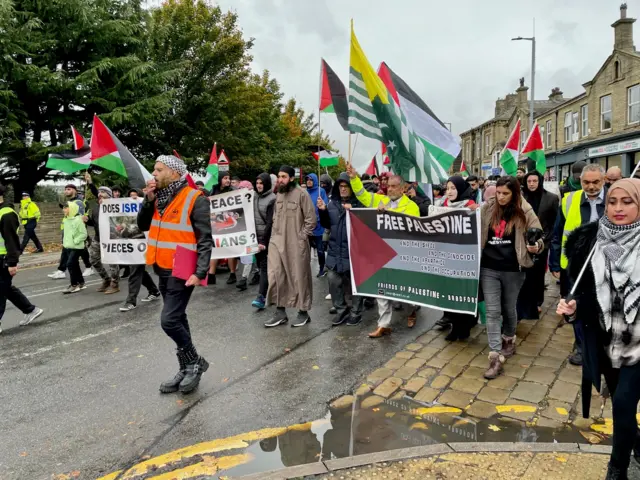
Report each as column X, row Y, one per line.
column 30, row 317
column 88, row 272
column 57, row 275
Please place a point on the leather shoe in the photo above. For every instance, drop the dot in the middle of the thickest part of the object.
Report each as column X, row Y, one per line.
column 411, row 319
column 380, row 332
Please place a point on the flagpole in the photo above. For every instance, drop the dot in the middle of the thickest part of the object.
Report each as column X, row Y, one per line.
column 349, row 153
column 319, row 138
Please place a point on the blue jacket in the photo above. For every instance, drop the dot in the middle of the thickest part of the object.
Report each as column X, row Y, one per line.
column 313, row 193
column 335, row 218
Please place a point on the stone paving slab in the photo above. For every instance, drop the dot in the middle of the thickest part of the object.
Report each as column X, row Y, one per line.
column 538, row 384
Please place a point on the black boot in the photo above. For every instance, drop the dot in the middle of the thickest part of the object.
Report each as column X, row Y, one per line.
column 232, row 278
column 172, row 385
column 196, row 366
column 242, row 284
column 255, row 279
column 615, row 473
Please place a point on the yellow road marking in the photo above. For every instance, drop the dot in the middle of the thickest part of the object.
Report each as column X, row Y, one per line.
column 209, row 466
column 607, row 428
column 515, row 409
column 419, row 426
column 432, row 410
column 562, row 411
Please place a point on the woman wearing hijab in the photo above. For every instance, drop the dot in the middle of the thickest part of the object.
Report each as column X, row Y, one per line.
column 458, row 195
column 505, row 253
column 545, row 206
column 606, row 304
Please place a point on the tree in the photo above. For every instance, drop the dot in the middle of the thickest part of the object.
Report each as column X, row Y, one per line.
column 64, row 61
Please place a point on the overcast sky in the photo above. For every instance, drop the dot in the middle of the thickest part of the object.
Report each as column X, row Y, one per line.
column 457, row 55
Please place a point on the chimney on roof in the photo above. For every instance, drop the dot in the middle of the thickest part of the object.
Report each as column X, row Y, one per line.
column 522, row 97
column 556, row 95
column 623, row 31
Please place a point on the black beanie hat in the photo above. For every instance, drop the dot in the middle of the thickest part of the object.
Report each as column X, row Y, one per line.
column 288, row 170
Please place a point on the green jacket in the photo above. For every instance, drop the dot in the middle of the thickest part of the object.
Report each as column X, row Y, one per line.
column 75, row 231
column 369, row 200
column 28, row 210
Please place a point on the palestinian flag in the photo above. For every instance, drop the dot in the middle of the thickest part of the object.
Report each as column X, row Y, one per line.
column 212, row 170
column 71, row 161
column 327, row 158
column 374, row 112
column 385, row 156
column 333, row 96
column 463, row 170
column 534, row 150
column 373, row 167
column 109, row 153
column 509, row 155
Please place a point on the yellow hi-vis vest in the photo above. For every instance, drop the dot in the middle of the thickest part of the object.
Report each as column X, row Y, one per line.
column 572, row 220
column 3, row 246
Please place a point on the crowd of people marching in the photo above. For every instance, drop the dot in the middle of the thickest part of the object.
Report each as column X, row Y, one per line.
column 526, row 230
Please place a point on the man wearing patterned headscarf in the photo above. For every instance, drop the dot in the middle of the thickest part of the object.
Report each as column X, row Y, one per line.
column 176, row 215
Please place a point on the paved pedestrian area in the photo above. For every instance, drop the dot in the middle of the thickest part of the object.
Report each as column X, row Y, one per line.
column 481, row 466
column 538, row 388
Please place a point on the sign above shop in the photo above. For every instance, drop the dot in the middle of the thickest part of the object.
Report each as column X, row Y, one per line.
column 615, row 148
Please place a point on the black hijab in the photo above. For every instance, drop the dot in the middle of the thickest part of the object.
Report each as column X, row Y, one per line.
column 534, row 198
column 465, row 192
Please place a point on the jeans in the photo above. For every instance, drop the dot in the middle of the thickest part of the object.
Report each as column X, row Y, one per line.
column 139, row 276
column 30, row 234
column 11, row 293
column 261, row 259
column 501, row 291
column 319, row 244
column 73, row 265
column 106, row 272
column 339, row 286
column 623, row 385
column 173, row 318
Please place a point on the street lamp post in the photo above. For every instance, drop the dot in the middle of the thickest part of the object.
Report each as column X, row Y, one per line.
column 533, row 75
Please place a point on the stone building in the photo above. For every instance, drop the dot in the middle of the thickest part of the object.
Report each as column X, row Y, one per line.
column 601, row 125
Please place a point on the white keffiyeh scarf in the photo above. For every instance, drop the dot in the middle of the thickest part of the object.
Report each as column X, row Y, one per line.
column 616, row 264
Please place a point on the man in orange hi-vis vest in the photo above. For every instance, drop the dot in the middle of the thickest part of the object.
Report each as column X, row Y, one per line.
column 175, row 215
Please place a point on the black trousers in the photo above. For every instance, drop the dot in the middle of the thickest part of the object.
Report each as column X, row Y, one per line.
column 73, row 264
column 173, row 319
column 30, row 234
column 64, row 258
column 624, row 385
column 139, row 276
column 11, row 293
column 261, row 260
column 532, row 291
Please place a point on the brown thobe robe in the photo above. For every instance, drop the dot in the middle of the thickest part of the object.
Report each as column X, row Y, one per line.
column 289, row 259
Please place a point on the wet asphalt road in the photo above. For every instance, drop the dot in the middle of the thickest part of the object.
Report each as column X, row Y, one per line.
column 79, row 387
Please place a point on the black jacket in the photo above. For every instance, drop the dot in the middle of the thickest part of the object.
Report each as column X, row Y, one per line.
column 9, row 224
column 588, row 312
column 334, row 217
column 547, row 210
column 423, row 203
column 201, row 222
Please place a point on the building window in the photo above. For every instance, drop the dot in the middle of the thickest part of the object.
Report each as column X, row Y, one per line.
column 523, row 138
column 605, row 113
column 633, row 100
column 548, row 129
column 478, row 147
column 584, row 117
column 568, row 123
column 616, row 70
column 542, row 136
column 487, row 144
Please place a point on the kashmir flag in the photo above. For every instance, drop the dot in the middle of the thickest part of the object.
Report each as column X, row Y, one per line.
column 509, row 155
column 534, row 150
column 374, row 113
column 327, row 158
column 71, row 161
column 109, row 153
column 333, row 96
column 463, row 170
column 212, row 170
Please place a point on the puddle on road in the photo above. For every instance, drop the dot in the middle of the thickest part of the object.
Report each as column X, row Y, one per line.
column 390, row 425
